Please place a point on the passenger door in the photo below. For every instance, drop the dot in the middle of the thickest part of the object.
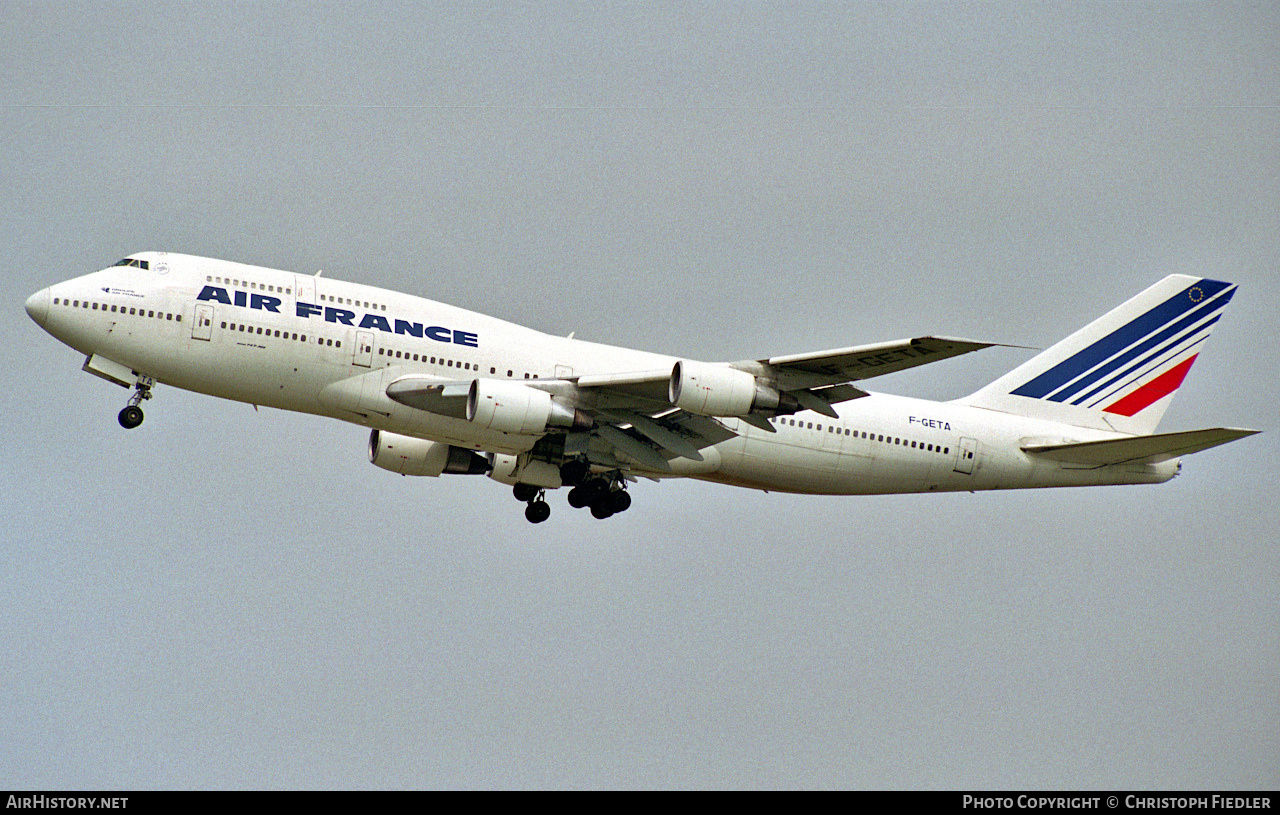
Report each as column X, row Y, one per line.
column 966, row 455
column 202, row 325
column 364, row 349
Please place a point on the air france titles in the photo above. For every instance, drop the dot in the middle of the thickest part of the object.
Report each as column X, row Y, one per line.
column 342, row 316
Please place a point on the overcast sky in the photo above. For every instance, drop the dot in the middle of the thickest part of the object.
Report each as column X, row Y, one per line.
column 226, row 598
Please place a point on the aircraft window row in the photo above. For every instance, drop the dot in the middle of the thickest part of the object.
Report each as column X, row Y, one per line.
column 132, row 310
column 134, row 262
column 284, row 335
column 230, row 281
column 448, row 363
column 349, row 302
column 876, row 437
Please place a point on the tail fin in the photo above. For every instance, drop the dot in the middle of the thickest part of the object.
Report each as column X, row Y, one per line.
column 1121, row 371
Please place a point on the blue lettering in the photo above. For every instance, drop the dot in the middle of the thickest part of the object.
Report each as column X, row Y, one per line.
column 338, row 315
column 241, row 299
column 341, row 315
column 375, row 321
column 215, row 294
column 412, row 329
column 261, row 301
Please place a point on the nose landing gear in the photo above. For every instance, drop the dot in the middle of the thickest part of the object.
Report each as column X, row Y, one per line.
column 132, row 416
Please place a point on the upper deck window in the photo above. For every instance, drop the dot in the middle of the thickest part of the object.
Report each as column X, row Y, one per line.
column 134, row 262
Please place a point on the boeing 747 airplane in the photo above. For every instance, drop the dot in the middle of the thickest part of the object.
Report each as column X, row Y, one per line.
column 445, row 390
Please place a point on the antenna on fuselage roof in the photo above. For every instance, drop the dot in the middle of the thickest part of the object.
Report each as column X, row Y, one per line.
column 319, row 272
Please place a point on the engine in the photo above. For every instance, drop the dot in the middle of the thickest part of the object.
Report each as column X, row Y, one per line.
column 410, row 456
column 717, row 390
column 511, row 407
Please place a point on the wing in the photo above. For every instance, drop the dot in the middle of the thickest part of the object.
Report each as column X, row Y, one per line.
column 825, row 368
column 633, row 418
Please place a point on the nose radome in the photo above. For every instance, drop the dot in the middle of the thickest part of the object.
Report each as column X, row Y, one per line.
column 38, row 306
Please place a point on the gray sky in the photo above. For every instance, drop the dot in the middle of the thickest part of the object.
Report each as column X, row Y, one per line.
column 231, row 598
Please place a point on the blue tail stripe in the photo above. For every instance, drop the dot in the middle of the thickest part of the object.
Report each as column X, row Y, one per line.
column 1118, row 340
column 1144, row 373
column 1176, row 346
column 1141, row 348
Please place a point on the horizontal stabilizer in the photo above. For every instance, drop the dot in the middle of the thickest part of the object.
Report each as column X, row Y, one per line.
column 1138, row 449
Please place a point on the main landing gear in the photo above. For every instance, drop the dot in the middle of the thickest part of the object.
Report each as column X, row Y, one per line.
column 605, row 495
column 132, row 416
column 538, row 510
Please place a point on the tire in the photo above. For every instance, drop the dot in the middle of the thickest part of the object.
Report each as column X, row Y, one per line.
column 537, row 512
column 130, row 417
column 619, row 501
column 574, row 472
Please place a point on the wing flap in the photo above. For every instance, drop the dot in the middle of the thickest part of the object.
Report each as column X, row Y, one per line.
column 1138, row 449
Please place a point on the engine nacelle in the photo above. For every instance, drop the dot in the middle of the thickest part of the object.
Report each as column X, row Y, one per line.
column 411, row 456
column 511, row 407
column 717, row 390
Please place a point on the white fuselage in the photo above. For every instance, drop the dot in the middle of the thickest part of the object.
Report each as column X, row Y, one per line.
column 329, row 347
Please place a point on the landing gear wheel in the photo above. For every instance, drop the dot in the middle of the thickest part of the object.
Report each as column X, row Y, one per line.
column 537, row 512
column 130, row 417
column 525, row 492
column 619, row 501
column 601, row 508
column 574, row 472
column 585, row 494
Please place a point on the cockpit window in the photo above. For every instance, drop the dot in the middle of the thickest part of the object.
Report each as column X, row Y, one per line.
column 134, row 262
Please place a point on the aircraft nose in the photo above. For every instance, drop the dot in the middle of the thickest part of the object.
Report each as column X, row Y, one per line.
column 38, row 307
